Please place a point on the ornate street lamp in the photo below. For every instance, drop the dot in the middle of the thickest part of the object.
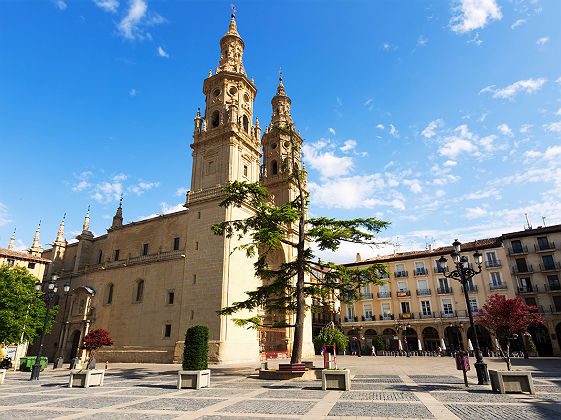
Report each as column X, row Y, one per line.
column 464, row 273
column 48, row 297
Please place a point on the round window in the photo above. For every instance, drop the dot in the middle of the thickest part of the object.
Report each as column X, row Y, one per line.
column 246, row 97
column 273, row 146
column 287, row 144
column 216, row 92
column 233, row 90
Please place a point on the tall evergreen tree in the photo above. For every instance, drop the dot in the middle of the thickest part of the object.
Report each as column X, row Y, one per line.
column 284, row 289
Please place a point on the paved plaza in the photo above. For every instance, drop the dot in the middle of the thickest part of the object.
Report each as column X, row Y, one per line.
column 382, row 387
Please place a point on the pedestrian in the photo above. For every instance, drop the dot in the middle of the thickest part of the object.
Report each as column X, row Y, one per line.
column 439, row 350
column 373, row 350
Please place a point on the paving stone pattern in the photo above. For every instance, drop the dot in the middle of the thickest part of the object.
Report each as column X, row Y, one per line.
column 149, row 392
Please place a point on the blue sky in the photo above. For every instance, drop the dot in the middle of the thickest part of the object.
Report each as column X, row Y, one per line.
column 443, row 117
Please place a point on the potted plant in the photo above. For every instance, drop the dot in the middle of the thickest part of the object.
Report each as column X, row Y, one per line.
column 195, row 373
column 506, row 319
column 90, row 376
column 333, row 378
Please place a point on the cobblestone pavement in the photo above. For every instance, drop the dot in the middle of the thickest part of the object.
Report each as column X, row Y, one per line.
column 381, row 388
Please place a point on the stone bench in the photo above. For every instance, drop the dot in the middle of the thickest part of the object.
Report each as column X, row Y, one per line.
column 511, row 381
column 84, row 378
column 292, row 367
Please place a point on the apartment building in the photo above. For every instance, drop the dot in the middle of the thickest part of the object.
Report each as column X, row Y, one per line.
column 534, row 259
column 419, row 309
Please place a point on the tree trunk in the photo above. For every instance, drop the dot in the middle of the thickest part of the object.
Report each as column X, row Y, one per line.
column 508, row 354
column 298, row 342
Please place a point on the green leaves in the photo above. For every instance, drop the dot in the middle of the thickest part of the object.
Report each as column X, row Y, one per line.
column 21, row 311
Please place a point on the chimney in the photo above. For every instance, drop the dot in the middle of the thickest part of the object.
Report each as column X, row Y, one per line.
column 430, row 247
column 358, row 258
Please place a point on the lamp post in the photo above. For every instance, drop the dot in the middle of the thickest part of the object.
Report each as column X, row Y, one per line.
column 463, row 273
column 48, row 297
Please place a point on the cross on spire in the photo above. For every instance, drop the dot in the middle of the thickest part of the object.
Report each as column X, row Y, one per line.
column 233, row 6
column 280, row 74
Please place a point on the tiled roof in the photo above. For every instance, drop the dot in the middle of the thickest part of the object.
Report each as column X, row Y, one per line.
column 22, row 256
column 425, row 253
column 531, row 232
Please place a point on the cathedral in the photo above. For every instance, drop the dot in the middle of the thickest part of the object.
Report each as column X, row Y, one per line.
column 146, row 282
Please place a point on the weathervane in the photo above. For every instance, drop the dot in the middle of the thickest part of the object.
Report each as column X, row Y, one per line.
column 280, row 74
column 233, row 6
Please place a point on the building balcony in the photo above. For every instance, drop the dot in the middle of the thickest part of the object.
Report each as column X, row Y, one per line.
column 407, row 315
column 550, row 246
column 421, row 272
column 527, row 289
column 493, row 264
column 368, row 318
column 351, row 319
column 438, row 270
column 554, row 286
column 384, row 295
column 471, row 288
column 386, row 317
column 555, row 266
column 427, row 315
column 403, row 293
column 401, row 274
column 523, row 270
column 366, row 296
column 444, row 290
column 424, row 292
column 519, row 250
column 498, row 286
column 449, row 314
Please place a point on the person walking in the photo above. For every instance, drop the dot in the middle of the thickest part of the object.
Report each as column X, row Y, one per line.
column 373, row 350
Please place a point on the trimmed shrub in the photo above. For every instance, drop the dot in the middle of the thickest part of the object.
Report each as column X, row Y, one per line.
column 195, row 353
column 379, row 342
column 331, row 335
column 530, row 346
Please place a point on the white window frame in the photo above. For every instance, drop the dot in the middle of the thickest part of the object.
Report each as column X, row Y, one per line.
column 500, row 282
column 365, row 311
column 428, row 305
column 405, row 302
column 444, row 312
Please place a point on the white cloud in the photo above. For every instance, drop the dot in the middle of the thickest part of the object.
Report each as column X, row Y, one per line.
column 162, row 53
column 456, row 146
column 475, row 212
column 167, row 209
column 414, row 185
column 132, row 92
column 332, row 131
column 474, row 14
column 181, row 191
column 130, row 23
column 349, row 145
column 440, row 193
column 422, row 41
column 393, row 131
column 429, row 130
column 60, row 4
column 450, row 163
column 558, row 112
column 517, row 23
column 558, row 80
column 355, row 192
column 542, row 41
column 505, row 130
column 380, row 126
column 528, row 86
column 326, row 162
column 525, row 128
column 554, row 127
column 4, row 214
column 141, row 187
column 110, row 6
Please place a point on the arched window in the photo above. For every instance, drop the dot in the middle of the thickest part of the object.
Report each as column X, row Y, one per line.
column 139, row 290
column 215, row 120
column 274, row 167
column 245, row 123
column 109, row 294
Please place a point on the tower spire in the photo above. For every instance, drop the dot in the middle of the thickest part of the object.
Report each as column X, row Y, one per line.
column 281, row 105
column 86, row 226
column 12, row 239
column 231, row 49
column 36, row 248
column 118, row 218
column 60, row 233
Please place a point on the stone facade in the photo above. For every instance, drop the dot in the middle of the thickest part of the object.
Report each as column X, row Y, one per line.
column 419, row 309
column 146, row 282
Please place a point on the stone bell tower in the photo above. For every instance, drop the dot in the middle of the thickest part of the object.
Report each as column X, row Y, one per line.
column 226, row 148
column 281, row 156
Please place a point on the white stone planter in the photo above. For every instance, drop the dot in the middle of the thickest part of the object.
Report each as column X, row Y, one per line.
column 336, row 379
column 511, row 381
column 196, row 379
column 2, row 375
column 84, row 378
